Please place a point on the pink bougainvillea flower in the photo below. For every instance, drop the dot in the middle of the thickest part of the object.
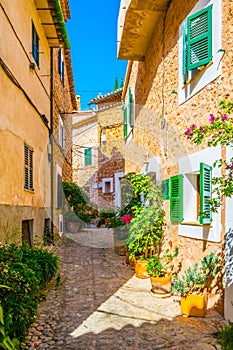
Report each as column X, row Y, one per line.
column 201, row 128
column 188, row 132
column 220, row 132
column 224, row 117
column 212, row 117
column 126, row 219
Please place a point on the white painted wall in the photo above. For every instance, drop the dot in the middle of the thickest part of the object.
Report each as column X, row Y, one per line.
column 188, row 166
column 228, row 306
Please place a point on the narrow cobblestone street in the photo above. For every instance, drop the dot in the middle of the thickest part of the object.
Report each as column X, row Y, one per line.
column 101, row 305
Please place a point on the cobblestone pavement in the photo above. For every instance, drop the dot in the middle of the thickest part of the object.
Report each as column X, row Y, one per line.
column 101, row 305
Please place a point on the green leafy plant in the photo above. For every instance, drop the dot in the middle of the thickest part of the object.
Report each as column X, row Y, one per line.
column 5, row 341
column 146, row 232
column 77, row 201
column 198, row 278
column 225, row 337
column 161, row 265
column 219, row 131
column 24, row 272
column 138, row 189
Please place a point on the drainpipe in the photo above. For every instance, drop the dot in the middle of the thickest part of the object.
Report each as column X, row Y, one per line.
column 61, row 22
column 52, row 144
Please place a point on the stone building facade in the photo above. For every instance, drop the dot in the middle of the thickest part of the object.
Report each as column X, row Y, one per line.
column 31, row 91
column 172, row 91
column 98, row 151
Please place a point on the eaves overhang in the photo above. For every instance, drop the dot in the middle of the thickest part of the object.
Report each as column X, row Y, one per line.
column 136, row 24
column 53, row 21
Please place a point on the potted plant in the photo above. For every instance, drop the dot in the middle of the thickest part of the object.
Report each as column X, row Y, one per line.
column 145, row 236
column 194, row 285
column 160, row 268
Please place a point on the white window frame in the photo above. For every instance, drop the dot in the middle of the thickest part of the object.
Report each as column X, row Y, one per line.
column 207, row 75
column 61, row 132
column 118, row 176
column 104, row 181
column 190, row 227
column 58, row 172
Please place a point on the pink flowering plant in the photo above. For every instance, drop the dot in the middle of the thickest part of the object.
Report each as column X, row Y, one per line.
column 219, row 131
column 126, row 218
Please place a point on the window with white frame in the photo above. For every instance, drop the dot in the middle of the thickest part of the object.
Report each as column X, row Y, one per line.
column 189, row 193
column 107, row 185
column 61, row 132
column 200, row 50
column 194, row 189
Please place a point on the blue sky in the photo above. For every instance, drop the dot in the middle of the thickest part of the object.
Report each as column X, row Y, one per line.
column 92, row 32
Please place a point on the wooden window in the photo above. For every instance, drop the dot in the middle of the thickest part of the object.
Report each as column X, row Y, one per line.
column 88, row 156
column 28, row 168
column 205, row 193
column 61, row 65
column 165, row 189
column 35, row 45
column 199, row 38
column 176, row 198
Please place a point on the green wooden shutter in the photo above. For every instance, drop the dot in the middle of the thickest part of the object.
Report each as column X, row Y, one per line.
column 176, row 198
column 125, row 123
column 184, row 54
column 165, row 189
column 127, row 115
column 88, row 156
column 199, row 40
column 205, row 193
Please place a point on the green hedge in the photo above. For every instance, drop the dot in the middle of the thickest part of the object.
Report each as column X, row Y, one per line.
column 24, row 273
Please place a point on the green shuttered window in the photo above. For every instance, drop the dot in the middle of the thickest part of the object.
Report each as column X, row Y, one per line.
column 128, row 114
column 176, row 198
column 165, row 189
column 205, row 193
column 88, row 156
column 199, row 38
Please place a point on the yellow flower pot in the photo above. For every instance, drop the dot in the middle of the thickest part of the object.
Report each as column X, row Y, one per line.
column 161, row 285
column 194, row 305
column 140, row 269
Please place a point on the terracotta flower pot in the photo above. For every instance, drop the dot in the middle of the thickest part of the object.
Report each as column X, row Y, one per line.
column 140, row 269
column 161, row 285
column 194, row 305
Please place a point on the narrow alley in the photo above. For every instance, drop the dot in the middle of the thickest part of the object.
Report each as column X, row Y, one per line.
column 100, row 305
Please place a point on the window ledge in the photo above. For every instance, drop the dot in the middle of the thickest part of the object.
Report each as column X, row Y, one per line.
column 193, row 223
column 201, row 70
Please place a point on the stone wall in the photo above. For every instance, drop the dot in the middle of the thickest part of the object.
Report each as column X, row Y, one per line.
column 156, row 94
